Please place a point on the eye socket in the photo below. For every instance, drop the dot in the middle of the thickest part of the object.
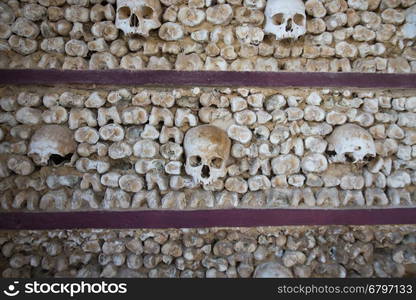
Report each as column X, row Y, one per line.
column 298, row 19
column 216, row 162
column 147, row 12
column 195, row 161
column 124, row 12
column 278, row 19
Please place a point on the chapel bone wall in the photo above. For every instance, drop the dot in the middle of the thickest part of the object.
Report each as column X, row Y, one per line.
column 359, row 36
column 126, row 148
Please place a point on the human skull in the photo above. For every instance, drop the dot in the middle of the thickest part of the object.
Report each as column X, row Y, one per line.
column 352, row 143
column 207, row 149
column 138, row 16
column 51, row 140
column 285, row 18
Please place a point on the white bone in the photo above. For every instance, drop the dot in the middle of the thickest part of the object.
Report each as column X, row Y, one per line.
column 131, row 183
column 191, row 16
column 355, row 196
column 110, row 179
column 106, row 114
column 30, row 197
column 155, row 178
column 134, row 115
column 54, row 200
column 305, row 194
column 174, row 200
column 171, row 151
column 185, row 115
column 86, row 135
column 138, row 16
column 327, row 196
column 180, row 182
column 57, row 181
column 158, row 115
column 28, row 115
column 84, row 165
column 207, row 149
column 112, row 132
column 285, row 19
column 142, row 166
column 55, row 115
column 170, row 132
column 116, row 198
column 91, row 180
column 119, row 150
column 78, row 117
column 79, row 197
column 146, row 149
column 95, row 100
column 86, row 150
column 375, row 197
column 173, row 167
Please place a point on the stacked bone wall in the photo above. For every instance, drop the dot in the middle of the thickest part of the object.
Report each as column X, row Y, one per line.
column 335, row 251
column 124, row 148
column 341, row 35
column 87, row 148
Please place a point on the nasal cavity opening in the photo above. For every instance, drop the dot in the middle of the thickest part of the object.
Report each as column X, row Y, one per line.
column 205, row 171
column 289, row 25
column 134, row 21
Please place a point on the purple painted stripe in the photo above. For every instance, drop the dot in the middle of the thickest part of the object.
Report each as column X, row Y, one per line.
column 206, row 218
column 209, row 78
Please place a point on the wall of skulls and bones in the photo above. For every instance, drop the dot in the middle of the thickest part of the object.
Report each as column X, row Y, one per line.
column 183, row 148
column 86, row 147
column 249, row 35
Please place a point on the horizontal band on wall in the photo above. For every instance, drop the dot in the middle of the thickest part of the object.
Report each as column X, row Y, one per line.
column 209, row 78
column 205, row 218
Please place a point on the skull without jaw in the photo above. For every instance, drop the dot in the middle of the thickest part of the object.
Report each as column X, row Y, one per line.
column 285, row 18
column 207, row 149
column 351, row 143
column 138, row 16
column 51, row 141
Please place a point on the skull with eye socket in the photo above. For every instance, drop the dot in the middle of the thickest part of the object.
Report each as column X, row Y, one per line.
column 285, row 19
column 138, row 16
column 207, row 150
column 351, row 143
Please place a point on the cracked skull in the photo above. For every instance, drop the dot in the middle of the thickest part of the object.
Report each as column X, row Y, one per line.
column 207, row 149
column 351, row 143
column 51, row 140
column 138, row 16
column 285, row 19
